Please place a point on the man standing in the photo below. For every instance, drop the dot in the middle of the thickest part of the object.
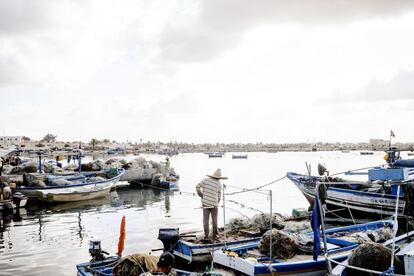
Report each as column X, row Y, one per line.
column 210, row 192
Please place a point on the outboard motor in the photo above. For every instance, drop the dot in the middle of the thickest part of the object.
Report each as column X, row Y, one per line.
column 322, row 170
column 96, row 251
column 169, row 238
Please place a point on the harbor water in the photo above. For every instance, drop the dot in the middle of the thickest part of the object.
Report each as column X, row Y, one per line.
column 54, row 238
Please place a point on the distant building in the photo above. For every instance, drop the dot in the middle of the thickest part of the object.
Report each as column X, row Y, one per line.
column 378, row 142
column 7, row 141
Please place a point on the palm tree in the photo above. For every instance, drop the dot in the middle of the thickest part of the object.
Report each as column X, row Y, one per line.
column 94, row 142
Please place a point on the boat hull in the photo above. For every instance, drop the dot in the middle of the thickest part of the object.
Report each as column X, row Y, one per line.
column 73, row 196
column 33, row 192
column 353, row 203
column 306, row 266
column 199, row 253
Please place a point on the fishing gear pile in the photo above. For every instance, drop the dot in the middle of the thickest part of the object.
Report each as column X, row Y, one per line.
column 373, row 256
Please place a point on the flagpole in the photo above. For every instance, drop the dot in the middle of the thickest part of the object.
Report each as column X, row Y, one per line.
column 390, row 139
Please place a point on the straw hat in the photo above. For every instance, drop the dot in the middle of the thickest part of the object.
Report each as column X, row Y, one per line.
column 217, row 175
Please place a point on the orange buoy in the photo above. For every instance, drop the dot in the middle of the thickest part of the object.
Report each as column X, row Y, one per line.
column 121, row 241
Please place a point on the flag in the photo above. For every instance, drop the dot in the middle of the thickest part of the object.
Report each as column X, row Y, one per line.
column 316, row 223
column 392, row 133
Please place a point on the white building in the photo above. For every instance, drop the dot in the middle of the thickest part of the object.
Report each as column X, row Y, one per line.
column 7, row 141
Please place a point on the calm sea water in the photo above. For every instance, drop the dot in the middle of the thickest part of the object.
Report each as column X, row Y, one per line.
column 45, row 239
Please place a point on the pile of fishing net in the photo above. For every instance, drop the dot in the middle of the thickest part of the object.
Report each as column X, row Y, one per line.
column 373, row 256
column 28, row 167
column 261, row 222
column 135, row 264
column 284, row 245
column 378, row 235
column 257, row 223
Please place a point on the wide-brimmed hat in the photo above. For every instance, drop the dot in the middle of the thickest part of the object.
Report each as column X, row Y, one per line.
column 217, row 175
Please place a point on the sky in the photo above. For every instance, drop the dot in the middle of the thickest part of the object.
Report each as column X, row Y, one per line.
column 208, row 71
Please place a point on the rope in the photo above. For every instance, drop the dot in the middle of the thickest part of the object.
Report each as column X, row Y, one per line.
column 245, row 190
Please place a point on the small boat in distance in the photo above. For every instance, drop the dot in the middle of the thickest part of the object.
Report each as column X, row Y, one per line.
column 366, row 152
column 239, row 156
column 215, row 155
column 345, row 151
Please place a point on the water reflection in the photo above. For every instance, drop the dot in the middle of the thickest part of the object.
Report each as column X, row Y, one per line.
column 142, row 197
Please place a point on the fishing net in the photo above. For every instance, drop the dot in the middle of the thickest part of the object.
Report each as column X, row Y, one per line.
column 135, row 264
column 284, row 245
column 372, row 256
column 261, row 223
column 377, row 235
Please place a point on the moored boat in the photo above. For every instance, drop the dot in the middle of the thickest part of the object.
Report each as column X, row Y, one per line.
column 239, row 156
column 74, row 194
column 248, row 260
column 356, row 198
column 215, row 154
column 105, row 268
column 366, row 152
column 187, row 247
column 71, row 187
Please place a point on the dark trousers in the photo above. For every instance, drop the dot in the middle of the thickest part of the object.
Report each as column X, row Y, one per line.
column 206, row 218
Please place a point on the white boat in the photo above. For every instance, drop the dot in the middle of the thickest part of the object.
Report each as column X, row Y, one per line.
column 74, row 185
column 74, row 194
column 359, row 197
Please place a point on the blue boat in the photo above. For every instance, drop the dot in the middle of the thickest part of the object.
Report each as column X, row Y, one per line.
column 241, row 260
column 355, row 198
column 191, row 250
column 169, row 184
column 105, row 267
column 375, row 197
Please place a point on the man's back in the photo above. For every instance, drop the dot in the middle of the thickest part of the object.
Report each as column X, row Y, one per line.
column 210, row 191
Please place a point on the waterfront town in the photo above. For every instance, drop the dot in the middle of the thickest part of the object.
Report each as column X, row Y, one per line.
column 50, row 141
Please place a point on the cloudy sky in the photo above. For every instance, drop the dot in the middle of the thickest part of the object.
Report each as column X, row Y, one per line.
column 208, row 71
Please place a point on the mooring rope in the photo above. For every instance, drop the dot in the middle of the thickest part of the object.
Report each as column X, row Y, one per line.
column 245, row 190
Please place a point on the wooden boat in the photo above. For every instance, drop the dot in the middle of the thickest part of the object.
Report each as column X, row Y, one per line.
column 74, row 194
column 356, row 198
column 404, row 245
column 187, row 247
column 80, row 185
column 239, row 156
column 247, row 260
column 215, row 155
